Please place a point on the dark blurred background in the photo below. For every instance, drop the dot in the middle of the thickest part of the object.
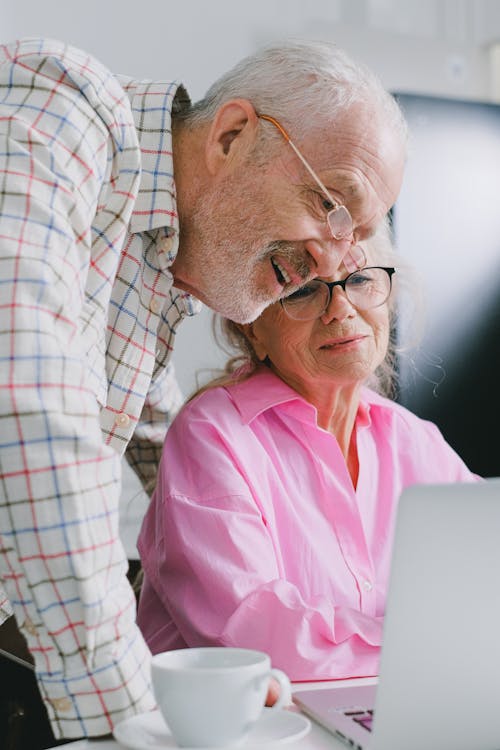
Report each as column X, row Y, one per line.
column 447, row 224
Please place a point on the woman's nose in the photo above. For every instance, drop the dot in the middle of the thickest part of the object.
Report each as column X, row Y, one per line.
column 339, row 307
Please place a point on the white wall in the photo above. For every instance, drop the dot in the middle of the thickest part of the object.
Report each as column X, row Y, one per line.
column 421, row 46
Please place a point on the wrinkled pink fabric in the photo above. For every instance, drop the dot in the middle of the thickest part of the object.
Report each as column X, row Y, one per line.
column 256, row 536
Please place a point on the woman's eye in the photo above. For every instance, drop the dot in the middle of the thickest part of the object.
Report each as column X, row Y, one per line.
column 327, row 205
column 359, row 279
column 302, row 293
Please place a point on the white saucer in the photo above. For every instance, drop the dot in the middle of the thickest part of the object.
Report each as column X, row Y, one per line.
column 148, row 731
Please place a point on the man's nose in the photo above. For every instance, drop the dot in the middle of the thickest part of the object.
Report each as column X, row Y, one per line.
column 328, row 256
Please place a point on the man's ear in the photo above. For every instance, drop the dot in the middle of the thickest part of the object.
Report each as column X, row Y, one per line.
column 248, row 331
column 232, row 132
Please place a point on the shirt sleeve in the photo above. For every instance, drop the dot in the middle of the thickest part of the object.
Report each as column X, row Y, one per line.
column 144, row 450
column 211, row 559
column 64, row 133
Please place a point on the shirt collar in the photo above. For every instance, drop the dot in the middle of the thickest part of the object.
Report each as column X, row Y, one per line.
column 152, row 104
column 264, row 390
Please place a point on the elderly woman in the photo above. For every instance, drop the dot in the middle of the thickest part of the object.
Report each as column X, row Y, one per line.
column 272, row 521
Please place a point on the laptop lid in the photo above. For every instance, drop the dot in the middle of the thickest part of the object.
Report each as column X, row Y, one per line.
column 439, row 681
column 440, row 666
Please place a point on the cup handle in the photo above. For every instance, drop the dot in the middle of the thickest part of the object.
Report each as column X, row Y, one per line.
column 285, row 696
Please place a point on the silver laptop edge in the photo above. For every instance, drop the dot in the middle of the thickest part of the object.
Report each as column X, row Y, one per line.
column 439, row 682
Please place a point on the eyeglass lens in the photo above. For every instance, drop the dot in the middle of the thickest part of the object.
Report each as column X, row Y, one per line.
column 340, row 223
column 341, row 227
column 354, row 259
column 364, row 289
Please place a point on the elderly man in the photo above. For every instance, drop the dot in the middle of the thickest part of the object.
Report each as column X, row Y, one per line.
column 120, row 204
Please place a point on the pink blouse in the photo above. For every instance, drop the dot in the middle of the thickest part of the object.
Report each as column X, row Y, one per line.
column 256, row 537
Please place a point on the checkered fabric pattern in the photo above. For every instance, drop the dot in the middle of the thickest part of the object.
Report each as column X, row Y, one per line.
column 88, row 314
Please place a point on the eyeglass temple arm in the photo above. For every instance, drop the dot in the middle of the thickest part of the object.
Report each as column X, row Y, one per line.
column 304, row 162
column 355, row 264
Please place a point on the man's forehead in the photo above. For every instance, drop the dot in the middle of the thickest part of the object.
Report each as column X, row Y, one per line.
column 355, row 145
column 337, row 180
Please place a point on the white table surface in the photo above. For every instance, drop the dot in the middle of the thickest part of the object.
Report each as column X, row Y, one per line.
column 317, row 739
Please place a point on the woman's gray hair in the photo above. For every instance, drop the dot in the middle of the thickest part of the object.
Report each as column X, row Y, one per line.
column 300, row 83
column 405, row 329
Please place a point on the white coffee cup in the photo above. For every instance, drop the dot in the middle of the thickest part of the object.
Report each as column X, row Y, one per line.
column 213, row 696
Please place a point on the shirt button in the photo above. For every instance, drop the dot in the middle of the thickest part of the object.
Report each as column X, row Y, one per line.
column 61, row 704
column 154, row 305
column 122, row 419
column 367, row 585
column 29, row 626
column 166, row 245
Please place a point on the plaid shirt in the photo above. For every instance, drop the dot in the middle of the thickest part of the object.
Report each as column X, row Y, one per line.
column 88, row 316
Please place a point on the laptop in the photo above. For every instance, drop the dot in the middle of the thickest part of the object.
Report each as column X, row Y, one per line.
column 439, row 681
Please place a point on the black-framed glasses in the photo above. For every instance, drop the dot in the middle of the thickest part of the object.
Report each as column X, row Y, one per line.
column 366, row 288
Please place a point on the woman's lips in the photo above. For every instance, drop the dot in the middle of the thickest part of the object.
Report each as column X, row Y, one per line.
column 343, row 341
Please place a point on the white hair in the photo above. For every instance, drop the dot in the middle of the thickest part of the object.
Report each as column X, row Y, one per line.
column 298, row 81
